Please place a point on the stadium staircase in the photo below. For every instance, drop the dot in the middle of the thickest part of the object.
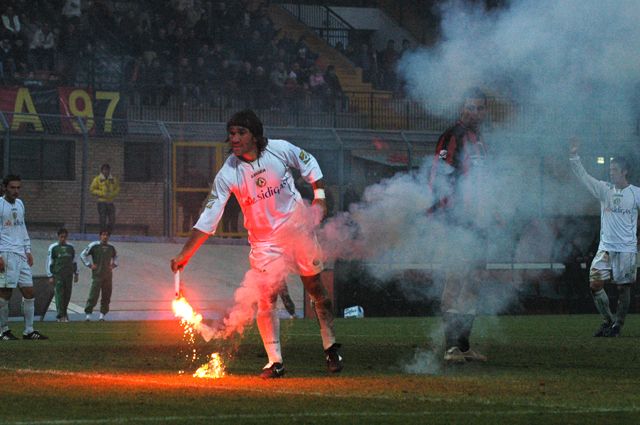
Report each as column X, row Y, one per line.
column 363, row 98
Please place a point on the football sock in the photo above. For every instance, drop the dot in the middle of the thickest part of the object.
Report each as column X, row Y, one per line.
column 28, row 309
column 324, row 314
column 601, row 301
column 624, row 299
column 466, row 324
column 4, row 315
column 452, row 323
column 269, row 328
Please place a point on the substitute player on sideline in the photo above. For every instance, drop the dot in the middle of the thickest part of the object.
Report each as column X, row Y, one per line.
column 616, row 258
column 15, row 261
column 259, row 175
column 62, row 270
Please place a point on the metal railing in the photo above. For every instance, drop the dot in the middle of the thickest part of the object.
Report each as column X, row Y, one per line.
column 320, row 19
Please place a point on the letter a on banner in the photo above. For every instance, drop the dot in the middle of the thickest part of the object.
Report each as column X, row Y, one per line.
column 24, row 100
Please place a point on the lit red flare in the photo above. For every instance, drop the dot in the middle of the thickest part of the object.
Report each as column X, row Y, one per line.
column 192, row 322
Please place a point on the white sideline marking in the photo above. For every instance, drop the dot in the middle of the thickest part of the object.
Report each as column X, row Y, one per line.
column 302, row 415
column 73, row 308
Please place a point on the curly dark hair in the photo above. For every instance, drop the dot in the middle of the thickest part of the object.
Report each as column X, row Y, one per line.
column 249, row 120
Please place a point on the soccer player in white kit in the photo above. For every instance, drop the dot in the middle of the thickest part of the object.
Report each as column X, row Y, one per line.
column 15, row 261
column 616, row 258
column 259, row 175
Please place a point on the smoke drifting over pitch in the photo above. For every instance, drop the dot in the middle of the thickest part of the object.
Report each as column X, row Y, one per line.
column 574, row 62
column 569, row 68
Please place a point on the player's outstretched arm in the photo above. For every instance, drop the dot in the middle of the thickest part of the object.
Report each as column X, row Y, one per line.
column 319, row 197
column 196, row 239
column 574, row 146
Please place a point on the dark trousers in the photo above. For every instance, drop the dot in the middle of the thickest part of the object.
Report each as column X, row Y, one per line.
column 63, row 285
column 107, row 214
column 98, row 285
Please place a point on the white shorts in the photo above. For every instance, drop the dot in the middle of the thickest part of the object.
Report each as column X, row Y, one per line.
column 16, row 271
column 619, row 267
column 302, row 256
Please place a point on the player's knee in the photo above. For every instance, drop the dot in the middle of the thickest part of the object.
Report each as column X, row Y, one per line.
column 596, row 285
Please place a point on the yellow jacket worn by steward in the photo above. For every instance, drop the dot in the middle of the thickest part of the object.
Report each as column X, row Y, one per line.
column 105, row 188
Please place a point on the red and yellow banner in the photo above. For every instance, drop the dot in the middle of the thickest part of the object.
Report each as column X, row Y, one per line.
column 102, row 111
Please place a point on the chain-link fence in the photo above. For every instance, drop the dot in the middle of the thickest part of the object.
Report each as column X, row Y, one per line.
column 165, row 168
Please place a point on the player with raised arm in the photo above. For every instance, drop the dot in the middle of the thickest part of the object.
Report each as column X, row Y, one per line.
column 259, row 175
column 616, row 258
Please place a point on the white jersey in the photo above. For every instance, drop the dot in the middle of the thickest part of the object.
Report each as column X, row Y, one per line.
column 264, row 188
column 13, row 231
column 618, row 211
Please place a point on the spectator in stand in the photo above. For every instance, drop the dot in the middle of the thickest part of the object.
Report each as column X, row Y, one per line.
column 72, row 11
column 11, row 27
column 287, row 43
column 260, row 92
column 162, row 46
column 151, row 83
column 168, row 82
column 265, row 27
column 293, row 95
column 244, row 77
column 71, row 47
column 277, row 78
column 20, row 57
column 227, row 80
column 184, row 79
column 406, row 47
column 7, row 64
column 43, row 48
column 254, row 46
column 202, row 76
column 388, row 60
column 335, row 96
column 366, row 59
column 317, row 84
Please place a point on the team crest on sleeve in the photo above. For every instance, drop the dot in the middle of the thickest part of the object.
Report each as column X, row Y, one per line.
column 213, row 197
column 304, row 157
column 443, row 154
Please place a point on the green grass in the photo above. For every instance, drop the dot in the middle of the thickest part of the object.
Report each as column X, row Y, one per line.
column 541, row 369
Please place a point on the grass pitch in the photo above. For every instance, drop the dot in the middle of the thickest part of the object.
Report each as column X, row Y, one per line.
column 541, row 369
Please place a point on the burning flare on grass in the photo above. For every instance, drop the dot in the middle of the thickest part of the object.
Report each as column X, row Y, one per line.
column 213, row 370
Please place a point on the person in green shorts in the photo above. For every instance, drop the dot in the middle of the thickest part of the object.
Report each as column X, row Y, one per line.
column 101, row 257
column 62, row 271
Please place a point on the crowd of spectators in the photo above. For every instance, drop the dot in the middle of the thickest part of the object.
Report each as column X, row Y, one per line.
column 196, row 52
column 378, row 67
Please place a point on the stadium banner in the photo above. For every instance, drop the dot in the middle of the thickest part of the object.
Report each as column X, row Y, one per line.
column 103, row 111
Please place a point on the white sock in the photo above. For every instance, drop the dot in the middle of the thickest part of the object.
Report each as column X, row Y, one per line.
column 269, row 327
column 601, row 301
column 28, row 309
column 4, row 315
column 325, row 319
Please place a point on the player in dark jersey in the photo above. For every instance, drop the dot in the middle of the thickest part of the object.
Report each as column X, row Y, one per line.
column 456, row 177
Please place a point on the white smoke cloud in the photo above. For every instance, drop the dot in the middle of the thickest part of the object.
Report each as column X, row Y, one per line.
column 574, row 60
column 569, row 67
